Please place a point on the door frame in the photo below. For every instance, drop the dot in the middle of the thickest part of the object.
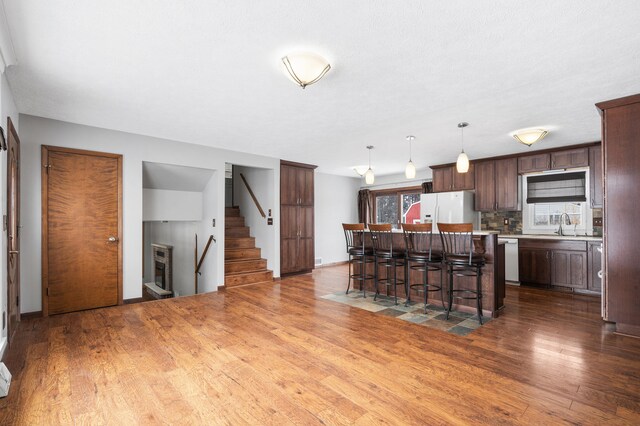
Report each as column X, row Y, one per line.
column 45, row 150
column 12, row 133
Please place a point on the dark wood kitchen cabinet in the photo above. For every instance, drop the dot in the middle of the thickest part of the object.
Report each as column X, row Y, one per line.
column 595, row 176
column 534, row 265
column 570, row 158
column 496, row 184
column 621, row 171
column 553, row 262
column 448, row 179
column 534, row 163
column 296, row 218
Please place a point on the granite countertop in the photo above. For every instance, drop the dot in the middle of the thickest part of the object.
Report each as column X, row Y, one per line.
column 551, row 237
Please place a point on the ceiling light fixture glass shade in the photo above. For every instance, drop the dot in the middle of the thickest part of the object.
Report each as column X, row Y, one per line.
column 530, row 136
column 369, row 178
column 462, row 165
column 410, row 170
column 305, row 68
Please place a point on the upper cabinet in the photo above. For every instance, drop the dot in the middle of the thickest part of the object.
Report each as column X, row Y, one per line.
column 534, row 163
column 497, row 185
column 448, row 179
column 570, row 158
column 595, row 176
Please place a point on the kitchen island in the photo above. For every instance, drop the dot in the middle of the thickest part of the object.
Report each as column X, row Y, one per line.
column 493, row 279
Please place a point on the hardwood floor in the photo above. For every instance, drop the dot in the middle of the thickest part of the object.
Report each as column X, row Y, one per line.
column 278, row 354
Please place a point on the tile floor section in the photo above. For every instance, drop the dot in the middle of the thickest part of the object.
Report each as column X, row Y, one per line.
column 459, row 323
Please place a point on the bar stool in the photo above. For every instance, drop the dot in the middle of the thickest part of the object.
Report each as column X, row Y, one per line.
column 461, row 261
column 387, row 257
column 358, row 255
column 421, row 257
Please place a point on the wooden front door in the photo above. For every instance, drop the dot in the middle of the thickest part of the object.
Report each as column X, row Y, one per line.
column 13, row 228
column 81, row 230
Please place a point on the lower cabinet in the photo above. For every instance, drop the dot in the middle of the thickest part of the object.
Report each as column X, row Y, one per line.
column 594, row 265
column 553, row 262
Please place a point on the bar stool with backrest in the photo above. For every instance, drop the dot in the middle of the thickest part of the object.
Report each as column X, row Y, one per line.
column 359, row 255
column 461, row 261
column 421, row 257
column 388, row 257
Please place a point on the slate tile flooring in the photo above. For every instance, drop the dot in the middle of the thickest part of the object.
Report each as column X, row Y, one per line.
column 459, row 323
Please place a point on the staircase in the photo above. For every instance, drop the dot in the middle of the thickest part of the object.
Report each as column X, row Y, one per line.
column 243, row 263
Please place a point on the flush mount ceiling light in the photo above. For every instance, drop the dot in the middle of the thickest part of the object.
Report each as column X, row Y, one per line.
column 530, row 136
column 368, row 175
column 462, row 165
column 410, row 170
column 305, row 68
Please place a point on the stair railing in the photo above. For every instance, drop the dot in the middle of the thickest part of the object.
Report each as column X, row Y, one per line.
column 198, row 264
column 255, row 200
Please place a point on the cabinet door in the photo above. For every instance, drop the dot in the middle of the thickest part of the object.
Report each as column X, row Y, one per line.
column 463, row 181
column 442, row 179
column 534, row 163
column 578, row 157
column 595, row 176
column 569, row 268
column 594, row 265
column 288, row 185
column 289, row 237
column 306, row 258
column 485, row 199
column 506, row 182
column 305, row 186
column 534, row 266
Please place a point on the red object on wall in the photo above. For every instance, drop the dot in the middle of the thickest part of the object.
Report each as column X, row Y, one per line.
column 413, row 214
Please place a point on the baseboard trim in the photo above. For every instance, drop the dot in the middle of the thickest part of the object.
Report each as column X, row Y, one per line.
column 631, row 330
column 132, row 300
column 30, row 315
column 326, row 265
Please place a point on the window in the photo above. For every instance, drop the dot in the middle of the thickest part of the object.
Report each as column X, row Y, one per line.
column 398, row 206
column 545, row 218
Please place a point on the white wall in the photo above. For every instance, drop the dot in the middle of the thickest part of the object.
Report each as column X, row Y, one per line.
column 163, row 204
column 36, row 131
column 211, row 201
column 7, row 109
column 336, row 202
column 262, row 182
column 398, row 180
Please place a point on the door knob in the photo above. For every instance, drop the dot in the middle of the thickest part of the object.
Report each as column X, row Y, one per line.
column 113, row 239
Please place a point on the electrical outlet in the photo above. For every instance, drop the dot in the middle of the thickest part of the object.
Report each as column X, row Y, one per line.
column 506, row 221
column 213, row 223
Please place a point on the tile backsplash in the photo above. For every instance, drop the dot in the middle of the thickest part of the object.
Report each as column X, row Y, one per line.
column 495, row 221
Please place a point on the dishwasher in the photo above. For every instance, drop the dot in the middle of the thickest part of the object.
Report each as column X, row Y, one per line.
column 510, row 259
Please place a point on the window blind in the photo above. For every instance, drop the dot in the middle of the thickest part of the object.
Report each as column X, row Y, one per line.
column 557, row 188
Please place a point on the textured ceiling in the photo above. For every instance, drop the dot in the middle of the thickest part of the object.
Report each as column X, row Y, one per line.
column 208, row 73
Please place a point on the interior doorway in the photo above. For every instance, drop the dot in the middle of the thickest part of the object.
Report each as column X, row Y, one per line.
column 81, row 230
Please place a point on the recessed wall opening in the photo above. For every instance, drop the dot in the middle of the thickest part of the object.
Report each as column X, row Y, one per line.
column 179, row 212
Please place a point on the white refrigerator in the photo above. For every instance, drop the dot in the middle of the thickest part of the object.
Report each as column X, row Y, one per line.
column 449, row 207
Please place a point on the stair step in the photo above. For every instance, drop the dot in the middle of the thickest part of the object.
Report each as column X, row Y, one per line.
column 236, row 266
column 231, row 211
column 233, row 221
column 247, row 278
column 244, row 253
column 239, row 242
column 240, row 231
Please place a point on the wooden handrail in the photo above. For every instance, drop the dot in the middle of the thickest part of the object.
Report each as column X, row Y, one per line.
column 198, row 264
column 255, row 200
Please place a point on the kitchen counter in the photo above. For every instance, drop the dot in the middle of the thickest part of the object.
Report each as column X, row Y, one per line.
column 549, row 237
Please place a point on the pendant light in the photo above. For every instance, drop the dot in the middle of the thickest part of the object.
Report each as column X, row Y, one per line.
column 368, row 175
column 462, row 165
column 410, row 170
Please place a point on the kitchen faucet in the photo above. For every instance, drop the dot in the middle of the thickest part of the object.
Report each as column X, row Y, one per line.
column 563, row 215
